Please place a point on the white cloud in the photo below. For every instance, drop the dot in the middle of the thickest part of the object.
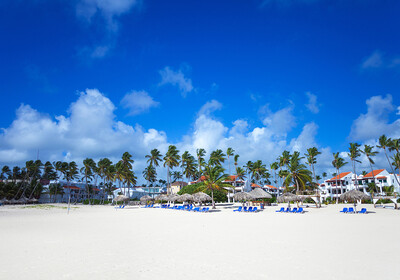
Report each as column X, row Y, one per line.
column 376, row 121
column 312, row 104
column 176, row 78
column 281, row 121
column 306, row 139
column 109, row 10
column 209, row 107
column 377, row 60
column 138, row 102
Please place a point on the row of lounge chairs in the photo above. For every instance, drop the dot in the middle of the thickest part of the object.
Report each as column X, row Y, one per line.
column 245, row 209
column 189, row 208
column 351, row 210
column 288, row 210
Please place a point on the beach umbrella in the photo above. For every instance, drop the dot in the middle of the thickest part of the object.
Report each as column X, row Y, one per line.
column 121, row 198
column 354, row 196
column 4, row 200
column 288, row 197
column 22, row 200
column 161, row 197
column 243, row 196
column 32, row 200
column 201, row 197
column 173, row 197
column 259, row 193
column 146, row 198
column 185, row 197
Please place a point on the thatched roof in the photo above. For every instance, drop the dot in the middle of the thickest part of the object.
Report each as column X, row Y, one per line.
column 243, row 196
column 146, row 198
column 161, row 197
column 13, row 201
column 201, row 197
column 287, row 197
column 4, row 200
column 185, row 197
column 121, row 198
column 173, row 197
column 22, row 200
column 259, row 193
column 32, row 200
column 354, row 195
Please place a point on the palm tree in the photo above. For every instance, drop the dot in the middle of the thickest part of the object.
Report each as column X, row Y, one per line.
column 396, row 162
column 214, row 180
column 5, row 171
column 338, row 162
column 297, row 173
column 87, row 173
column 200, row 158
column 369, row 153
column 258, row 170
column 154, row 158
column 384, row 143
column 189, row 166
column 394, row 145
column 274, row 166
column 110, row 177
column 324, row 175
column 354, row 153
column 102, row 166
column 229, row 153
column 217, row 157
column 171, row 160
column 311, row 155
column 150, row 174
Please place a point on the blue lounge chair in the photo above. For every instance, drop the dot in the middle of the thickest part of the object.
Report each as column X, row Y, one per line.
column 204, row 210
column 239, row 209
column 363, row 211
column 300, row 210
column 255, row 209
column 197, row 209
column 280, row 211
column 351, row 210
column 245, row 209
column 344, row 210
column 294, row 210
column 287, row 210
column 250, row 209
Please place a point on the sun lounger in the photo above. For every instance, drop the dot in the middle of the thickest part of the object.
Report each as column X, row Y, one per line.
column 363, row 211
column 294, row 210
column 204, row 210
column 300, row 210
column 239, row 209
column 245, row 209
column 248, row 210
column 197, row 209
column 255, row 209
column 287, row 210
column 351, row 210
column 280, row 211
column 344, row 210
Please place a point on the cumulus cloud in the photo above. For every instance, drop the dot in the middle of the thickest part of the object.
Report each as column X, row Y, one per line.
column 109, row 10
column 312, row 104
column 377, row 60
column 176, row 78
column 209, row 107
column 281, row 121
column 376, row 121
column 138, row 102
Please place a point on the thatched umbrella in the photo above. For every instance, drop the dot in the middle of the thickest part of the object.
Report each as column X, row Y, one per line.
column 201, row 197
column 259, row 193
column 243, row 197
column 22, row 200
column 4, row 201
column 146, row 198
column 121, row 198
column 354, row 196
column 161, row 197
column 32, row 200
column 288, row 197
column 13, row 201
column 173, row 197
column 185, row 197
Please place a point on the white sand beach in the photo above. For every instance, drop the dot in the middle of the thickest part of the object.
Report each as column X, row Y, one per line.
column 99, row 242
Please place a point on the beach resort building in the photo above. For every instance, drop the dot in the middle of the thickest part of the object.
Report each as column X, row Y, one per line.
column 177, row 186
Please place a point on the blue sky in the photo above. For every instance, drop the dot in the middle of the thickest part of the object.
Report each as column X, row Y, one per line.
column 298, row 73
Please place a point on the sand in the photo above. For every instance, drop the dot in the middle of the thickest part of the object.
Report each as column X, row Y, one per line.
column 99, row 242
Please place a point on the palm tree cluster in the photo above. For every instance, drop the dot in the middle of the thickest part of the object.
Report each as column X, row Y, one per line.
column 290, row 170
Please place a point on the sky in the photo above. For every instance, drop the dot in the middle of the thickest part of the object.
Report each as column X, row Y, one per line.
column 96, row 78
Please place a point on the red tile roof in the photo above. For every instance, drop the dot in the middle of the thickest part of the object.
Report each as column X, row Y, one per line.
column 340, row 176
column 255, row 185
column 381, row 177
column 375, row 172
column 71, row 187
column 270, row 187
column 231, row 178
column 96, row 190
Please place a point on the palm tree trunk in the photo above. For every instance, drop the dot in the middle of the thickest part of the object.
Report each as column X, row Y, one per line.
column 212, row 199
column 337, row 176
